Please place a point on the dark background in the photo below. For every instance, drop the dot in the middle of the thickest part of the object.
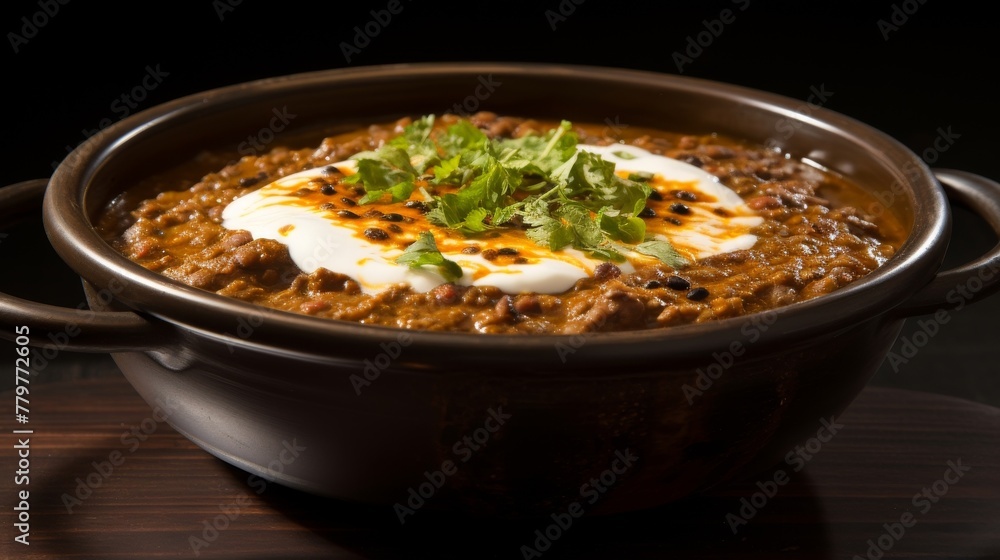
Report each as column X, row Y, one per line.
column 934, row 71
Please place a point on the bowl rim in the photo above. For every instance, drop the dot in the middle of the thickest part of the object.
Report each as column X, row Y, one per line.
column 213, row 316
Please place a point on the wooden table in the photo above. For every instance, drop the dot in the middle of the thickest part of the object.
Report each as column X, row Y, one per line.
column 150, row 493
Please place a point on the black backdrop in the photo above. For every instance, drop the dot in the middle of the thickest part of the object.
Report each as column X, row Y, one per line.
column 928, row 66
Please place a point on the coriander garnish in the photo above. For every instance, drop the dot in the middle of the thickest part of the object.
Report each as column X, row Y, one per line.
column 424, row 252
column 566, row 197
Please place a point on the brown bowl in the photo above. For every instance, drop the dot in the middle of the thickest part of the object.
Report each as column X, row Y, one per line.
column 510, row 425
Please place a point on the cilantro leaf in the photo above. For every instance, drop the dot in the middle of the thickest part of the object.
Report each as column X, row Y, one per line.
column 586, row 232
column 608, row 253
column 424, row 252
column 589, row 177
column 451, row 172
column 490, row 190
column 461, row 138
column 504, row 214
column 641, row 176
column 385, row 171
column 543, row 154
column 416, row 142
column 561, row 196
column 474, row 221
column 464, row 149
column 662, row 250
column 621, row 227
column 546, row 230
column 398, row 193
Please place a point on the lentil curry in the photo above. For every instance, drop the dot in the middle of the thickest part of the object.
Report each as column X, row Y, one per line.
column 511, row 192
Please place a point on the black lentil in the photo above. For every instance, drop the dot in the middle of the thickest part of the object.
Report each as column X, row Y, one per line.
column 607, row 271
column 417, row 205
column 677, row 283
column 376, row 234
column 678, row 208
column 697, row 294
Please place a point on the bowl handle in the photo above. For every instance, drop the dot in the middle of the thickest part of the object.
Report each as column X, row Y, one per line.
column 953, row 289
column 63, row 328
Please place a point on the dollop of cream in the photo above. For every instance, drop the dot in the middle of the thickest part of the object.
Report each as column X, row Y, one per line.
column 294, row 211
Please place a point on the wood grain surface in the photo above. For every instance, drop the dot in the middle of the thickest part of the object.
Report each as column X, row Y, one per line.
column 162, row 495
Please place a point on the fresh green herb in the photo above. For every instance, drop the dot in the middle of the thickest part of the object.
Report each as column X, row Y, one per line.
column 424, row 252
column 490, row 190
column 624, row 227
column 624, row 155
column 541, row 155
column 387, row 170
column 662, row 250
column 564, row 196
column 416, row 141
